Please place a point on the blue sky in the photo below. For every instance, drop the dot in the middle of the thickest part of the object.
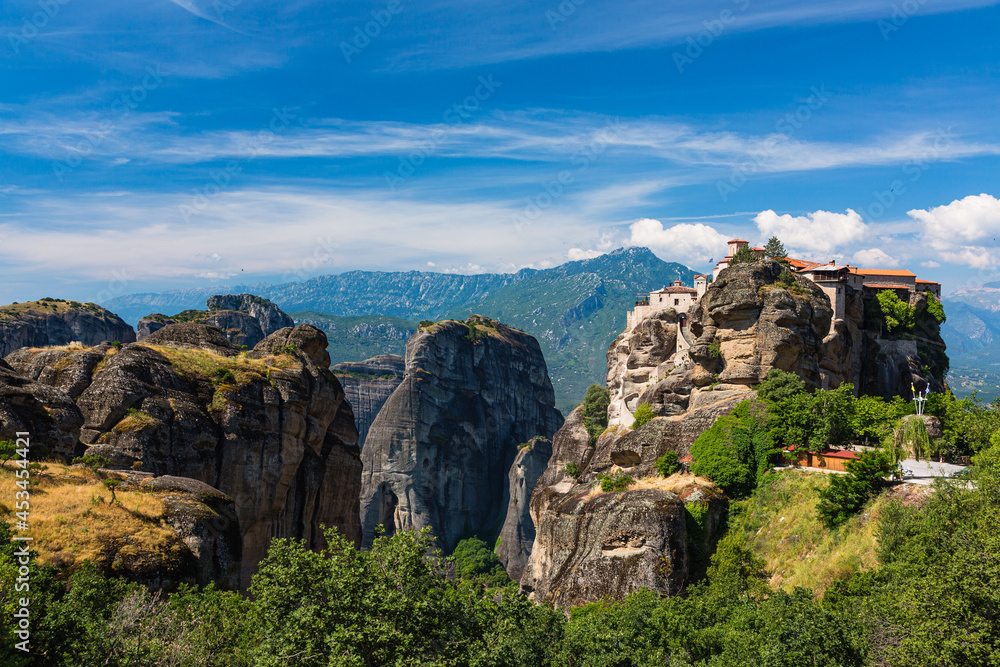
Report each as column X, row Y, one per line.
column 157, row 144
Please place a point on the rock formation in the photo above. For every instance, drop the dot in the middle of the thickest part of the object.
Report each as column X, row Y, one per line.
column 48, row 415
column 518, row 533
column 440, row 449
column 591, row 545
column 368, row 385
column 245, row 319
column 748, row 324
column 271, row 428
column 57, row 322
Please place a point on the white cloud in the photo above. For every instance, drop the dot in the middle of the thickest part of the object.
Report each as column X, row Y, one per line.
column 973, row 218
column 215, row 257
column 817, row 233
column 930, row 264
column 964, row 231
column 283, row 233
column 874, row 258
column 431, row 264
column 690, row 244
column 575, row 254
column 468, row 269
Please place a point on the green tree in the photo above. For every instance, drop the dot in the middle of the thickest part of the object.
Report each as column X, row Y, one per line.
column 643, row 415
column 847, row 494
column 475, row 561
column 775, row 249
column 668, row 464
column 744, row 255
column 892, row 313
column 736, row 451
column 595, row 411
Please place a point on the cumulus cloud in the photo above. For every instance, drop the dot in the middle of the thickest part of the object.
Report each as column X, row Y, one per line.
column 684, row 242
column 964, row 231
column 817, row 233
column 874, row 257
column 575, row 254
column 930, row 264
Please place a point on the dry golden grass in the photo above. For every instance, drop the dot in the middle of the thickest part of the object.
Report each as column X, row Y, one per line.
column 202, row 363
column 673, row 484
column 782, row 525
column 135, row 420
column 71, row 521
column 111, row 351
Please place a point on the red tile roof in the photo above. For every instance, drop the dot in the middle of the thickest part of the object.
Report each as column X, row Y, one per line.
column 879, row 286
column 900, row 273
column 739, row 241
column 922, row 282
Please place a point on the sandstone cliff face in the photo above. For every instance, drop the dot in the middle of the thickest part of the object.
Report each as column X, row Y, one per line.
column 591, row 548
column 639, row 359
column 271, row 428
column 440, row 449
column 368, row 385
column 590, row 545
column 245, row 319
column 518, row 533
column 57, row 322
column 747, row 325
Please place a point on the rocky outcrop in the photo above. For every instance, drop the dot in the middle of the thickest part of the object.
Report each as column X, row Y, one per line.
column 439, row 451
column 48, row 415
column 50, row 322
column 206, row 521
column 368, row 385
column 631, row 539
column 269, row 317
column 271, row 429
column 604, row 546
column 245, row 319
column 749, row 323
column 518, row 533
column 637, row 360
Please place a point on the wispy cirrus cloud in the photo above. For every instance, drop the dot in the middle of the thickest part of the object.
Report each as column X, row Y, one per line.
column 531, row 136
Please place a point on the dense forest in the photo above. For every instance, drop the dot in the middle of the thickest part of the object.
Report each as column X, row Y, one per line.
column 932, row 599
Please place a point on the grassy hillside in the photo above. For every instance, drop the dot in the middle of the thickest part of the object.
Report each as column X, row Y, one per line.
column 781, row 524
column 71, row 521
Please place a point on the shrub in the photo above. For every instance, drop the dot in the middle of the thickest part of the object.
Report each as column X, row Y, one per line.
column 643, row 415
column 847, row 494
column 116, row 343
column 668, row 464
column 426, row 323
column 8, row 448
column 111, row 485
column 573, row 469
column 715, row 348
column 223, row 376
column 616, row 482
column 93, row 462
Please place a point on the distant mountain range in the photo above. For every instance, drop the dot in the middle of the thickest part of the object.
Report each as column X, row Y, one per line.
column 574, row 310
column 972, row 334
